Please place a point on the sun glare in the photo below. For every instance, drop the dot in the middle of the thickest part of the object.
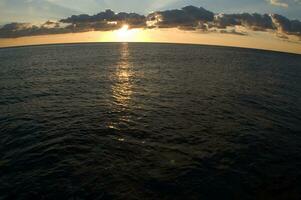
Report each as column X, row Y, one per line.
column 124, row 33
column 124, row 28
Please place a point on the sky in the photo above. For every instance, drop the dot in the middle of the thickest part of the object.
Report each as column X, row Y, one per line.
column 39, row 10
column 213, row 22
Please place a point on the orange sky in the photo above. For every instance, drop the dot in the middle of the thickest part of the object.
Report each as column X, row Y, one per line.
column 258, row 40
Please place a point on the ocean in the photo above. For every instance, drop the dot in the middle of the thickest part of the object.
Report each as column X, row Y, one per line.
column 149, row 121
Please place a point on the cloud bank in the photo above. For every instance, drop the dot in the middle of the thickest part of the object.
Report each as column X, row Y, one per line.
column 187, row 18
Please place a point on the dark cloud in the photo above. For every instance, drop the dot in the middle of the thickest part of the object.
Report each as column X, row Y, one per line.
column 103, row 21
column 193, row 18
column 15, row 30
column 132, row 19
column 284, row 25
column 253, row 21
column 187, row 18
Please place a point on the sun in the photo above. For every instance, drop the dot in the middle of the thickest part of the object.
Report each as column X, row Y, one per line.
column 124, row 28
column 124, row 32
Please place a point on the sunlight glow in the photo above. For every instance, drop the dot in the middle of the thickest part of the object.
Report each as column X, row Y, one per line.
column 125, row 34
column 258, row 40
column 124, row 28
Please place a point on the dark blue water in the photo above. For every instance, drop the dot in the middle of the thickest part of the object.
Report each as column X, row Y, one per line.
column 149, row 121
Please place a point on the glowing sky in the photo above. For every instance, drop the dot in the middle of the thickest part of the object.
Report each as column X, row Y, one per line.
column 258, row 40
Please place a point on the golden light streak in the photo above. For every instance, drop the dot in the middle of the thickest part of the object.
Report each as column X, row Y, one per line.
column 122, row 85
column 122, row 89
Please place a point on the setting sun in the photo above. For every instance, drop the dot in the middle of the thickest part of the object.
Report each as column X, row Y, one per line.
column 124, row 29
column 124, row 33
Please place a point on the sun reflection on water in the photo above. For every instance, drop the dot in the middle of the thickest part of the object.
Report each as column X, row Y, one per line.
column 122, row 87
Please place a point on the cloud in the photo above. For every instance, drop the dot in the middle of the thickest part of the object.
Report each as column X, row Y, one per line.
column 187, row 18
column 14, row 30
column 279, row 3
column 252, row 21
column 284, row 25
column 132, row 19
